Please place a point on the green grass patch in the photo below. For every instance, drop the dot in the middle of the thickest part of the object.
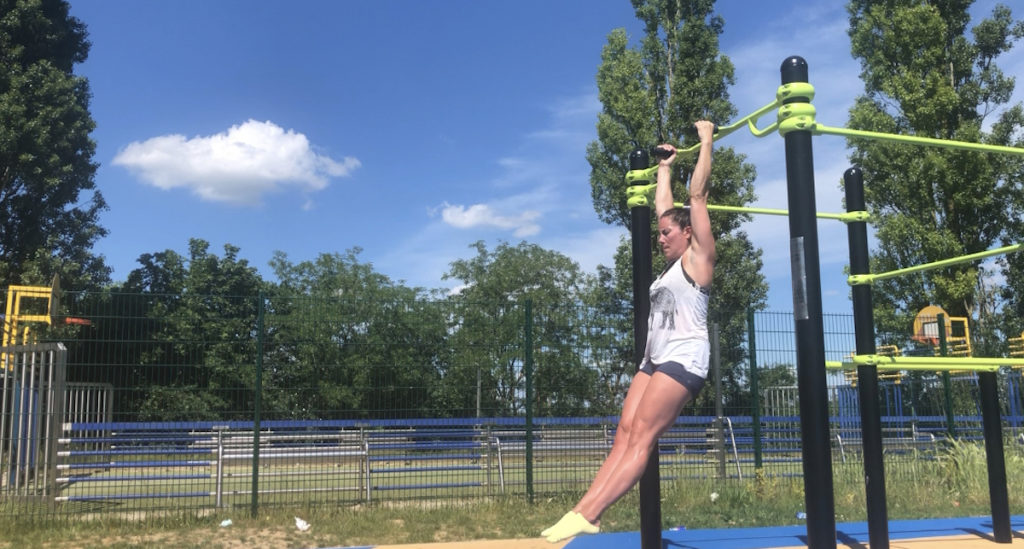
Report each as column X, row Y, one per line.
column 952, row 483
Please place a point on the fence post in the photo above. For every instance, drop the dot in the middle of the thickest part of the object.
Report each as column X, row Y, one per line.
column 755, row 391
column 219, row 482
column 528, row 366
column 257, row 405
column 947, row 383
column 716, row 363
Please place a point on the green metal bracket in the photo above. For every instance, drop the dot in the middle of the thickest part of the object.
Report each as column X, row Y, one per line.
column 639, row 195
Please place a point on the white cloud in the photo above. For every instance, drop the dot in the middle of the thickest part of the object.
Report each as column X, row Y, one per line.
column 238, row 166
column 482, row 215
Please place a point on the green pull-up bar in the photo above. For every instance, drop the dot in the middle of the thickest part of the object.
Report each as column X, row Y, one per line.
column 854, row 280
column 939, row 363
column 847, row 217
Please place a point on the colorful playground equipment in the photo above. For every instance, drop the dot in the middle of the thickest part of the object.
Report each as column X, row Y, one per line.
column 956, row 331
column 33, row 398
column 1017, row 346
column 28, row 305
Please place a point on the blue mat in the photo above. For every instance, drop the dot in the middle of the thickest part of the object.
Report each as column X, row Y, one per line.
column 787, row 536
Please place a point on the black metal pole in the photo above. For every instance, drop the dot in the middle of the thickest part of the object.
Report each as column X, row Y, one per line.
column 947, row 383
column 640, row 230
column 867, row 375
column 810, row 331
column 528, row 367
column 755, row 390
column 254, row 504
column 999, row 499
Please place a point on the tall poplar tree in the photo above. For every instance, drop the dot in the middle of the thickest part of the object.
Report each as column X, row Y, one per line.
column 49, row 208
column 652, row 93
column 926, row 73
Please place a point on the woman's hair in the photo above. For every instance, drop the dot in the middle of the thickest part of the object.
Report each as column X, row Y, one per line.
column 680, row 216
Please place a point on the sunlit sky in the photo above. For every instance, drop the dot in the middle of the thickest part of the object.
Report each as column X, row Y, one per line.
column 413, row 129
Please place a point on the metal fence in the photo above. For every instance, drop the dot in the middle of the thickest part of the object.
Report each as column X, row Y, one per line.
column 182, row 402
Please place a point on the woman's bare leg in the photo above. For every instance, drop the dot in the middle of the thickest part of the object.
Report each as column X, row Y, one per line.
column 656, row 411
column 621, row 442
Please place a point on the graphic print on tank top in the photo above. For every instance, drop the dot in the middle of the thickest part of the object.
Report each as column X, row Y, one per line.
column 663, row 306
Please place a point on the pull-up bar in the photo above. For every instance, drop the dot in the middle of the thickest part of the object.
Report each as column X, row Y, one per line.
column 801, row 116
column 858, row 279
column 885, row 362
column 848, row 217
column 915, row 140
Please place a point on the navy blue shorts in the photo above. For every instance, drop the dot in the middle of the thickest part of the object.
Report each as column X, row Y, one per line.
column 693, row 382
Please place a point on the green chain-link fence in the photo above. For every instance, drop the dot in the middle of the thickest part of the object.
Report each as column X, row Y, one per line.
column 187, row 402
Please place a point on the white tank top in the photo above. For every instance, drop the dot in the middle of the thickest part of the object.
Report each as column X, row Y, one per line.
column 679, row 315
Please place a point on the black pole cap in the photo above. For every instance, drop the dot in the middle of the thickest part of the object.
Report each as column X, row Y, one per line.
column 794, row 69
column 638, row 160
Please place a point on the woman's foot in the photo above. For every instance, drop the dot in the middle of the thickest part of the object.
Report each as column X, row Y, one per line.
column 572, row 524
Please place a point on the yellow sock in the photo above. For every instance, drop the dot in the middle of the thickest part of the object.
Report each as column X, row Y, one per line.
column 550, row 528
column 572, row 524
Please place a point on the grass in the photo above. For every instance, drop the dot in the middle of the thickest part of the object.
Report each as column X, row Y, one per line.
column 955, row 484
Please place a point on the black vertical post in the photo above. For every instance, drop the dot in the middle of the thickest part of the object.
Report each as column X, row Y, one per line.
column 755, row 390
column 991, row 424
column 528, row 366
column 867, row 375
column 947, row 383
column 640, row 230
column 716, row 366
column 254, row 504
column 810, row 330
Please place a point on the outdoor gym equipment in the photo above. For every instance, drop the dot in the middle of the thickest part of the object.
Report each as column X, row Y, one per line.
column 796, row 123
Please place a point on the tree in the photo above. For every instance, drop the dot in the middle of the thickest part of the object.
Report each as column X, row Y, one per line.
column 488, row 337
column 49, row 208
column 195, row 334
column 345, row 341
column 610, row 294
column 923, row 75
column 653, row 94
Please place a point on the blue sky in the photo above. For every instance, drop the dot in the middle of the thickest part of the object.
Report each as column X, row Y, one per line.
column 413, row 129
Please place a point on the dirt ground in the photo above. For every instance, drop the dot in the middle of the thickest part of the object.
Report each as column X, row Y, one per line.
column 537, row 543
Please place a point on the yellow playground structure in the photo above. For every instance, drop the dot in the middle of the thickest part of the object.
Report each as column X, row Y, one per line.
column 30, row 306
column 957, row 336
column 956, row 331
column 27, row 305
column 1017, row 346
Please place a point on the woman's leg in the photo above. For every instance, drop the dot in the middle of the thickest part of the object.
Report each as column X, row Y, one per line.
column 621, row 441
column 655, row 412
column 619, row 444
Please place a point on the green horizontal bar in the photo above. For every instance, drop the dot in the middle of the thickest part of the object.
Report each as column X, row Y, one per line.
column 938, row 363
column 749, row 120
column 845, row 217
column 915, row 140
column 855, row 280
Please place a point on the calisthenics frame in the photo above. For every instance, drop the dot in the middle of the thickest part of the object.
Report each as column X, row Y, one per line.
column 796, row 123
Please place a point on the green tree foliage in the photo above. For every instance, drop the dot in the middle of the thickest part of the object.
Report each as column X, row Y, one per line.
column 345, row 341
column 610, row 294
column 925, row 75
column 49, row 208
column 195, row 351
column 652, row 94
column 488, row 336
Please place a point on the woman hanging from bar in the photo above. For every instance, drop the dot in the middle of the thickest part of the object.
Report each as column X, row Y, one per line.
column 677, row 356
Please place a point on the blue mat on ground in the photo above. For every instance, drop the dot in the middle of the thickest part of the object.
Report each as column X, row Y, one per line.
column 787, row 536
